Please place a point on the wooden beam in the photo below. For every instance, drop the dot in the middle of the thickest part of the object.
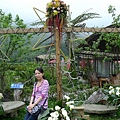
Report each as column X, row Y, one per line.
column 58, row 68
column 23, row 30
column 82, row 29
column 66, row 29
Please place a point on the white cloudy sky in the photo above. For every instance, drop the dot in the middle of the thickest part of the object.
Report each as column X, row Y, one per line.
column 24, row 8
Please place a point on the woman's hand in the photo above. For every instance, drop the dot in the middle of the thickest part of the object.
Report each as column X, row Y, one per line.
column 30, row 107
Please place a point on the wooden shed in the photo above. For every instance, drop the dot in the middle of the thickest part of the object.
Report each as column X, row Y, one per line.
column 97, row 58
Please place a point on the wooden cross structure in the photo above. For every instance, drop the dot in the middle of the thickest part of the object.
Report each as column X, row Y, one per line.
column 57, row 38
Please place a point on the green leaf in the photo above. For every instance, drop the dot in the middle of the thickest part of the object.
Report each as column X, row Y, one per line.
column 45, row 115
column 1, row 110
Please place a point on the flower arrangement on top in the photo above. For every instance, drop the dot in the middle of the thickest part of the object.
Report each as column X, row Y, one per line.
column 56, row 13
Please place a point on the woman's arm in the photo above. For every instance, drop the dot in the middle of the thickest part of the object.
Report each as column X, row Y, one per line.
column 31, row 105
column 45, row 89
column 37, row 101
column 31, row 100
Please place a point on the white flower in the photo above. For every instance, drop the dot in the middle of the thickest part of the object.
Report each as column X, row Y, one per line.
column 64, row 113
column 71, row 107
column 117, row 88
column 67, row 118
column 51, row 108
column 117, row 93
column 53, row 8
column 58, row 8
column 1, row 95
column 70, row 102
column 111, row 87
column 50, row 118
column 57, row 108
column 54, row 114
column 111, row 91
column 62, row 109
column 66, row 97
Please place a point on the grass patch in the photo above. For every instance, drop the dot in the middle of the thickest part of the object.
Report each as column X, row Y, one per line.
column 103, row 117
column 21, row 114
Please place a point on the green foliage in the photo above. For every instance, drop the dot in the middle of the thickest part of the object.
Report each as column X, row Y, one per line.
column 1, row 104
column 107, row 42
column 14, row 44
column 1, row 110
column 83, row 17
column 45, row 115
column 15, row 73
column 112, row 39
column 116, row 18
column 61, row 109
column 113, row 94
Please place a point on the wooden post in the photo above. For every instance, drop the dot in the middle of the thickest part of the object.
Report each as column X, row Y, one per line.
column 58, row 68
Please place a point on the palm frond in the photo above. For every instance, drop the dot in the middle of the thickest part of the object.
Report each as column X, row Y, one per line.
column 37, row 23
column 84, row 17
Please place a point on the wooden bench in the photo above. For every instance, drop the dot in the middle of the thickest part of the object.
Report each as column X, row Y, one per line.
column 12, row 107
column 80, row 112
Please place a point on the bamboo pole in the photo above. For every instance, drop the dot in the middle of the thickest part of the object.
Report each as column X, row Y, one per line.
column 66, row 29
column 58, row 68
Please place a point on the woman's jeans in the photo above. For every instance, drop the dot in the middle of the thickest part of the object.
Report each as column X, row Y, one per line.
column 28, row 116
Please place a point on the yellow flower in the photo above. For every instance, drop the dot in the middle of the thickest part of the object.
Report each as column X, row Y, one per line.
column 49, row 4
column 57, row 4
column 56, row 0
column 47, row 14
column 54, row 8
column 55, row 12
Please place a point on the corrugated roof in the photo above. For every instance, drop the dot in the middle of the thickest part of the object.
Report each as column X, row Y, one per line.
column 46, row 56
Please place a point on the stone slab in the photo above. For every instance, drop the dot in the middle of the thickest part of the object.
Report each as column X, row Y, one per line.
column 12, row 106
column 99, row 109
